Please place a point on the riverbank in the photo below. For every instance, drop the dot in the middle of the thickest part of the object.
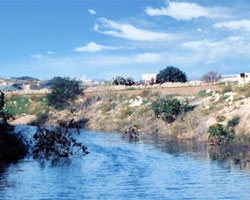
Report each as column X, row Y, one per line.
column 113, row 111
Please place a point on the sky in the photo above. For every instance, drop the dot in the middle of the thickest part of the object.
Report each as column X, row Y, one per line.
column 101, row 39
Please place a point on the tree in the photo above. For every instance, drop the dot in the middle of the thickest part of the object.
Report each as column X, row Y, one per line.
column 12, row 146
column 211, row 77
column 119, row 81
column 171, row 74
column 122, row 81
column 130, row 81
column 168, row 109
column 57, row 142
column 63, row 91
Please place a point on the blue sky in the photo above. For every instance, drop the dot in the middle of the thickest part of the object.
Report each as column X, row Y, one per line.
column 107, row 38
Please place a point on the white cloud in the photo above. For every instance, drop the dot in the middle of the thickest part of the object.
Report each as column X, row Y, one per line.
column 40, row 56
column 127, row 31
column 147, row 58
column 234, row 25
column 233, row 48
column 91, row 11
column 93, row 47
column 183, row 11
column 201, row 44
column 50, row 52
column 37, row 56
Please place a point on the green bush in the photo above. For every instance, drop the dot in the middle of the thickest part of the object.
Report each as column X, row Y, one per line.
column 12, row 146
column 218, row 134
column 122, row 81
column 63, row 91
column 168, row 109
column 233, row 122
column 171, row 74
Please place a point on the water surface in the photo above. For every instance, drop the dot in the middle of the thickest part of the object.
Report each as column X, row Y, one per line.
column 117, row 168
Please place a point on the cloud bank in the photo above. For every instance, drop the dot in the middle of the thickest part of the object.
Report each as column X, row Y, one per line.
column 93, row 47
column 183, row 11
column 129, row 32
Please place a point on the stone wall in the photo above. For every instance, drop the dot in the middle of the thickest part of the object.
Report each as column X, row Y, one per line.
column 154, row 86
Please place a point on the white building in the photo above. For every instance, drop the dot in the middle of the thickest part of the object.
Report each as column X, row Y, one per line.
column 3, row 82
column 149, row 78
column 244, row 78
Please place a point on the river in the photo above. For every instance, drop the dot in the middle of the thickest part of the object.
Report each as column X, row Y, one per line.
column 116, row 168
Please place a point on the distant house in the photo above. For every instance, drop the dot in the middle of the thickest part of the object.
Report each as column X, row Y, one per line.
column 149, row 78
column 3, row 82
column 26, row 86
column 244, row 78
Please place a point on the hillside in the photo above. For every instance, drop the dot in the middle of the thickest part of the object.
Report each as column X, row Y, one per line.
column 114, row 111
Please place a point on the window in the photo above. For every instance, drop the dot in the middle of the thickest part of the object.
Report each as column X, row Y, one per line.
column 242, row 75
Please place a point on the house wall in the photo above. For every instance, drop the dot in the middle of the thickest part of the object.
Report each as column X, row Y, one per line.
column 244, row 78
column 149, row 78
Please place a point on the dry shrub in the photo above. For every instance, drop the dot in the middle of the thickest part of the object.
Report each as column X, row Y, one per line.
column 192, row 125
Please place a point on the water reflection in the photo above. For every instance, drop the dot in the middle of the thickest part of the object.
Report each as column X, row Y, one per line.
column 233, row 155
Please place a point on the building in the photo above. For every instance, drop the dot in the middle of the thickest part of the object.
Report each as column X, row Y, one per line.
column 3, row 81
column 149, row 78
column 244, row 78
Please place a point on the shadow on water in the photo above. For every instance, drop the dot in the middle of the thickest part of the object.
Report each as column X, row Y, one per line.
column 4, row 183
column 232, row 155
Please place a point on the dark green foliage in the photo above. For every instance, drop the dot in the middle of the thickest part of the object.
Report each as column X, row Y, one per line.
column 63, row 91
column 218, row 134
column 122, row 81
column 119, row 81
column 233, row 122
column 130, row 81
column 58, row 142
column 12, row 146
column 171, row 74
column 168, row 109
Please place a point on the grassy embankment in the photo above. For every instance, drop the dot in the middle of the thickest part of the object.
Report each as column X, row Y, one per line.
column 22, row 105
column 116, row 112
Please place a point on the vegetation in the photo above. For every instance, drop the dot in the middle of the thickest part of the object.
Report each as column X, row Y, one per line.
column 63, row 91
column 12, row 146
column 58, row 142
column 218, row 134
column 17, row 105
column 122, row 81
column 171, row 74
column 168, row 109
column 233, row 122
column 211, row 77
